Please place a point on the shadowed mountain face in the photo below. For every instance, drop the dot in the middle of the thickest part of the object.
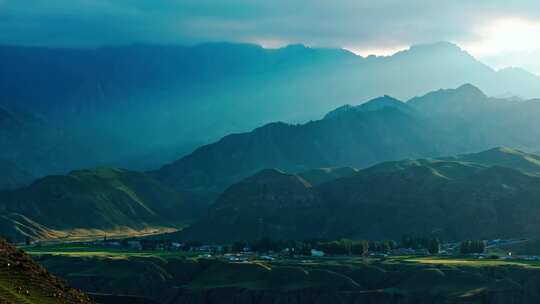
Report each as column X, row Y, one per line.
column 356, row 139
column 465, row 197
column 141, row 105
column 444, row 122
column 12, row 177
column 90, row 202
column 33, row 145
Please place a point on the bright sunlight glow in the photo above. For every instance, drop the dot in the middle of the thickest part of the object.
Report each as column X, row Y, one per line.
column 505, row 35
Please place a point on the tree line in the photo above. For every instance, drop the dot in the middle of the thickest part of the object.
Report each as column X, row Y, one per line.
column 432, row 245
column 332, row 247
column 470, row 247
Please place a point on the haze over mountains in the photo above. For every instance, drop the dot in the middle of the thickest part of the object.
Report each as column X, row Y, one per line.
column 444, row 122
column 31, row 143
column 254, row 152
column 139, row 105
column 440, row 123
column 143, row 105
column 12, row 176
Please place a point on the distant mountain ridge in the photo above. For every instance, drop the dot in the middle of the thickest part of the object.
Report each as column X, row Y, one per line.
column 376, row 104
column 444, row 122
column 12, row 177
column 143, row 105
column 464, row 197
column 32, row 144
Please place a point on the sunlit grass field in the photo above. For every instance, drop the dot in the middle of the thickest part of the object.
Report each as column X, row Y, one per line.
column 88, row 251
column 466, row 261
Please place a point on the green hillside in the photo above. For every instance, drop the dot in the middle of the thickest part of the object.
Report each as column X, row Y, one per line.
column 24, row 282
column 92, row 202
column 465, row 197
column 504, row 157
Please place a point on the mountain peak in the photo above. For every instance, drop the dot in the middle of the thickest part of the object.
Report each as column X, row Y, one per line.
column 295, row 46
column 462, row 99
column 371, row 105
column 470, row 90
column 437, row 49
column 378, row 103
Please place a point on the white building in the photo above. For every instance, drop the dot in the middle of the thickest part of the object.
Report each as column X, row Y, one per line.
column 316, row 253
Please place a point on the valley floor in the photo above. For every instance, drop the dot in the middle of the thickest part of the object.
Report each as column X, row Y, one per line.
column 190, row 277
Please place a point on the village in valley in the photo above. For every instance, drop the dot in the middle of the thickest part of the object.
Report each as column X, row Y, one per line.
column 303, row 251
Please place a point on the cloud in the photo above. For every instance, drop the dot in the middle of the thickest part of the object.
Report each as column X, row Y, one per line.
column 358, row 24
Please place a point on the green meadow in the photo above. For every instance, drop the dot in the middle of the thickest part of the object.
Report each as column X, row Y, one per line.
column 89, row 251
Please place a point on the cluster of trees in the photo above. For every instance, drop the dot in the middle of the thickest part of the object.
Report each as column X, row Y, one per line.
column 337, row 247
column 468, row 247
column 267, row 244
column 344, row 246
column 353, row 247
column 432, row 245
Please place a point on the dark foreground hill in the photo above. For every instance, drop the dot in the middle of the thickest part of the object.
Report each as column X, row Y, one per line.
column 23, row 281
column 488, row 195
column 328, row 281
column 445, row 122
column 93, row 202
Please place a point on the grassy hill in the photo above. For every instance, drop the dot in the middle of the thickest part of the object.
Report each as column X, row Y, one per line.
column 90, row 202
column 465, row 197
column 504, row 157
column 24, row 282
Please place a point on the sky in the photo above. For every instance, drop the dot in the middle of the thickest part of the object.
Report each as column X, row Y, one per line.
column 500, row 32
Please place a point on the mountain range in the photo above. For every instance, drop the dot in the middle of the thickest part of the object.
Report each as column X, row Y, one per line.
column 140, row 106
column 444, row 122
column 487, row 195
column 120, row 201
column 32, row 144
column 12, row 176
